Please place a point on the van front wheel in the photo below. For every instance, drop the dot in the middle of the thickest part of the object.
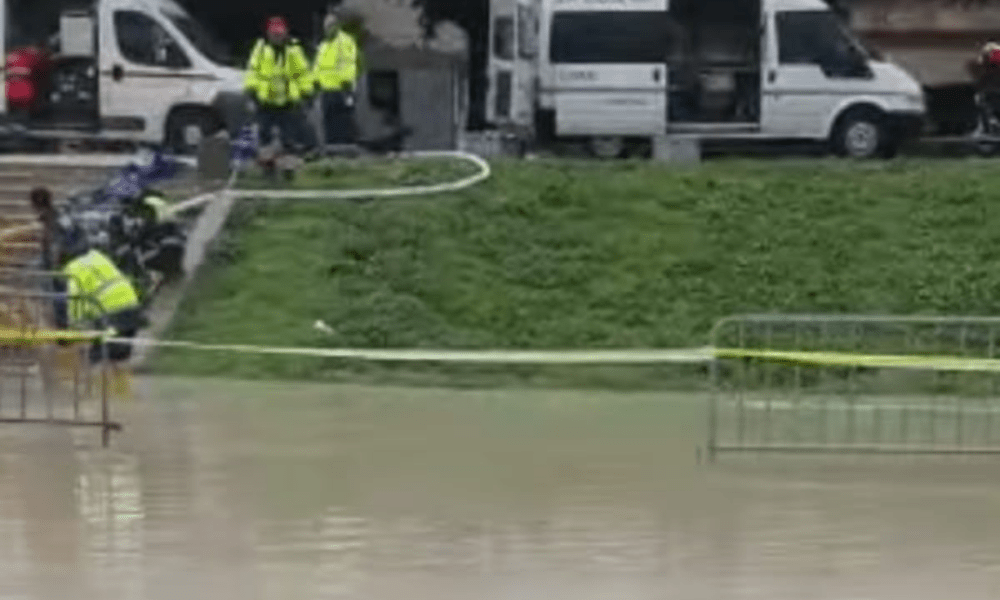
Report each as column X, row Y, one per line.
column 186, row 128
column 861, row 134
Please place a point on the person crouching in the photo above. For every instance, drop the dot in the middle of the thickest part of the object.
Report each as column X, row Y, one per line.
column 99, row 295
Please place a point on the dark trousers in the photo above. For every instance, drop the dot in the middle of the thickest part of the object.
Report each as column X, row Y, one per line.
column 127, row 322
column 338, row 118
column 163, row 248
column 292, row 127
column 58, row 286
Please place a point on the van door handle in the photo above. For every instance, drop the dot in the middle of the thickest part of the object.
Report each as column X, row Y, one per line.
column 771, row 76
column 117, row 72
column 656, row 75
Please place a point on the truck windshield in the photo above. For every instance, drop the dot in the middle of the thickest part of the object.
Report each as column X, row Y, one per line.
column 202, row 39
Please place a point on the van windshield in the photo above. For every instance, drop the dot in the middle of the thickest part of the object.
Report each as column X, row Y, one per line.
column 203, row 40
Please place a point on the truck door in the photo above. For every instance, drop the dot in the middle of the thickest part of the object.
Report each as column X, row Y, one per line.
column 144, row 72
column 609, row 70
column 513, row 52
column 813, row 65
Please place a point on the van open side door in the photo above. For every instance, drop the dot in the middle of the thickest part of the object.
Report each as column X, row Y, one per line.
column 514, row 32
column 609, row 68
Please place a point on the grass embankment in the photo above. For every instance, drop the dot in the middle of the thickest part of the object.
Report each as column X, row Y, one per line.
column 556, row 254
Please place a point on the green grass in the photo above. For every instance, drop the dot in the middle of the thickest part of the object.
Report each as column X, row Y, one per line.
column 566, row 254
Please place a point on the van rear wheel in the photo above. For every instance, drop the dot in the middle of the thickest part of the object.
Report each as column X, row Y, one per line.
column 606, row 147
column 186, row 129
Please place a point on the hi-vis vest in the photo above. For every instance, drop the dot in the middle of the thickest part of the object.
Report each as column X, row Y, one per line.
column 93, row 277
column 160, row 207
column 336, row 62
column 278, row 78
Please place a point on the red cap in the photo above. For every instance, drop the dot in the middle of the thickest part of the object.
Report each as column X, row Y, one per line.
column 277, row 25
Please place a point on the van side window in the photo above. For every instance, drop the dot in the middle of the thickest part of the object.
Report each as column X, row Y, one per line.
column 503, row 38
column 620, row 37
column 145, row 42
column 818, row 38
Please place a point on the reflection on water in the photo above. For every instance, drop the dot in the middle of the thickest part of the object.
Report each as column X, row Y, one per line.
column 264, row 491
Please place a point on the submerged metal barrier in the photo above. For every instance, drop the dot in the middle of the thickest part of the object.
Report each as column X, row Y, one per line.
column 41, row 380
column 855, row 384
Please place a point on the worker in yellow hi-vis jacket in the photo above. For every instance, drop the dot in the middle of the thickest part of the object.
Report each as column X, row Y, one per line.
column 335, row 73
column 99, row 295
column 279, row 81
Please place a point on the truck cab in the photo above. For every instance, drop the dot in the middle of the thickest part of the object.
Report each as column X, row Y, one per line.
column 131, row 70
column 614, row 72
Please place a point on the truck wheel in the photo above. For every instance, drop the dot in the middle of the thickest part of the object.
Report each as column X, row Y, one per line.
column 987, row 149
column 187, row 128
column 860, row 134
column 607, row 147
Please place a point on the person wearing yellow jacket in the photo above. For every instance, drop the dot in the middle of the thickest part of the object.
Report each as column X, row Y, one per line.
column 280, row 82
column 335, row 72
column 99, row 295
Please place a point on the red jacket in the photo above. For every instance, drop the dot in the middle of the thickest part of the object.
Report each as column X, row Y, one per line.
column 26, row 68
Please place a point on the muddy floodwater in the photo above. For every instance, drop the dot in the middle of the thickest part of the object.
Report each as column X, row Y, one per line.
column 245, row 490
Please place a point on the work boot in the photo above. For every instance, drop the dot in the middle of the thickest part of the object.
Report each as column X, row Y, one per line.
column 289, row 164
column 121, row 382
column 269, row 169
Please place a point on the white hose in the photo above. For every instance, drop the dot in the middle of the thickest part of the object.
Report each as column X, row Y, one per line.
column 398, row 192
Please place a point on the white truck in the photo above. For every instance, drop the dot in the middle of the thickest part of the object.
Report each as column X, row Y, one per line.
column 618, row 72
column 140, row 71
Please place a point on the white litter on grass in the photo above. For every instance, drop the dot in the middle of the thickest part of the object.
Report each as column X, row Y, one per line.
column 323, row 327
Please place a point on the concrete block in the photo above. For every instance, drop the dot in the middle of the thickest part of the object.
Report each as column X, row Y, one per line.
column 213, row 157
column 426, row 109
column 679, row 150
column 490, row 144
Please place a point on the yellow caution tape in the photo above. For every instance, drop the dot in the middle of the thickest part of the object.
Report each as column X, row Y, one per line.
column 633, row 356
column 28, row 336
column 848, row 359
column 624, row 356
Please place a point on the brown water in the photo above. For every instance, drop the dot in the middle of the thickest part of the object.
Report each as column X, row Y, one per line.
column 245, row 491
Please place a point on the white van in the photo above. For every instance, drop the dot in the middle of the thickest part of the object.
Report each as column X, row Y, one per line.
column 617, row 71
column 133, row 70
